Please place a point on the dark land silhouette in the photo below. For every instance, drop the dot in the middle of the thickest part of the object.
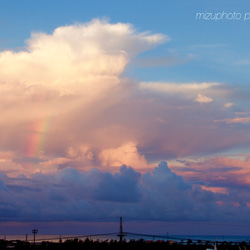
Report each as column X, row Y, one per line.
column 76, row 244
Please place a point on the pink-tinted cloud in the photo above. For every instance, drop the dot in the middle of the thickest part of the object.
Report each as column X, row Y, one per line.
column 70, row 119
column 65, row 102
column 242, row 120
column 126, row 154
column 55, row 94
column 219, row 174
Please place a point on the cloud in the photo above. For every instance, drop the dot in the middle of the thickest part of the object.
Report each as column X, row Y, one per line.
column 76, row 57
column 54, row 162
column 203, row 99
column 126, row 154
column 228, row 105
column 3, row 187
column 221, row 173
column 242, row 120
column 11, row 168
column 61, row 85
column 119, row 187
column 70, row 119
column 69, row 195
column 81, row 61
column 65, row 102
column 83, row 196
column 178, row 88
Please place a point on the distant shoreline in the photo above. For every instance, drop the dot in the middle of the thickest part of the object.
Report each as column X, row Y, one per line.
column 128, row 237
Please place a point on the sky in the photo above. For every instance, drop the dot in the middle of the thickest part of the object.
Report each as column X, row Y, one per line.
column 137, row 109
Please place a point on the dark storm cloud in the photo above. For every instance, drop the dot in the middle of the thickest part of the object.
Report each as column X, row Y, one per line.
column 71, row 195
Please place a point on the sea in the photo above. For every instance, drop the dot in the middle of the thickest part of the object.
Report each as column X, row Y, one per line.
column 107, row 237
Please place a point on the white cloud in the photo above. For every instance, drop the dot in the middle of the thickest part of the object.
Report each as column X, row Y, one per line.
column 76, row 57
column 172, row 87
column 190, row 91
column 76, row 63
column 203, row 99
column 126, row 154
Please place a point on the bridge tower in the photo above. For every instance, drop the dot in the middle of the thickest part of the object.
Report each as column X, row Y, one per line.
column 121, row 233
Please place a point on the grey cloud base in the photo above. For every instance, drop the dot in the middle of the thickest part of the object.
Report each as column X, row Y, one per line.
column 73, row 196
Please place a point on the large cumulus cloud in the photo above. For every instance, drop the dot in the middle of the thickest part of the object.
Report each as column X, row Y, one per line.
column 74, row 78
column 80, row 196
column 70, row 118
column 71, row 195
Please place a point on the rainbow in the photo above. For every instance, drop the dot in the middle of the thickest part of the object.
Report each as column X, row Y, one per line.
column 38, row 132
